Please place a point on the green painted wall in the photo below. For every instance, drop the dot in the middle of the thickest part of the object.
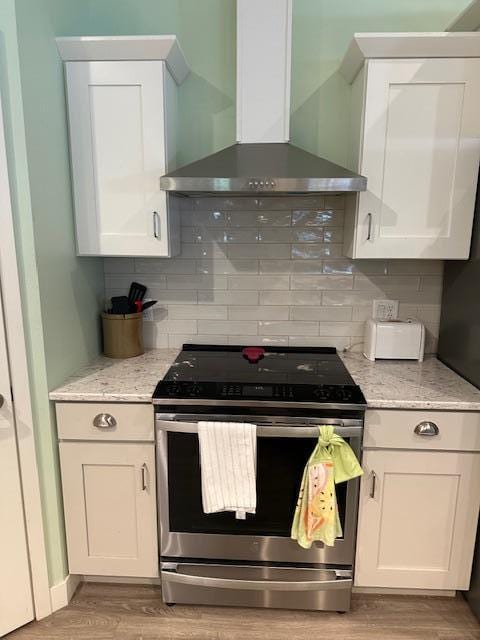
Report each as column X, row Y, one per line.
column 61, row 293
column 322, row 30
column 70, row 288
column 206, row 30
column 21, row 203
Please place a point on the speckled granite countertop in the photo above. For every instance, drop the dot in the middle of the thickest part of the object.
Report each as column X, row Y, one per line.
column 397, row 384
column 386, row 384
column 108, row 380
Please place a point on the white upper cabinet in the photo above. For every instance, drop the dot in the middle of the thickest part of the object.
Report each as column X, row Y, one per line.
column 416, row 137
column 122, row 120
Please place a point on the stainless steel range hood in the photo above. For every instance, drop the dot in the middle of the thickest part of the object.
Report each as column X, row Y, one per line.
column 263, row 160
column 261, row 168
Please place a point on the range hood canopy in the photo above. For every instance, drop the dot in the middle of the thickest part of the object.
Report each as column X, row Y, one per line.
column 263, row 160
column 261, row 168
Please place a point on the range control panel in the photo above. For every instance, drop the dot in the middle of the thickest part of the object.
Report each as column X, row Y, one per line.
column 343, row 394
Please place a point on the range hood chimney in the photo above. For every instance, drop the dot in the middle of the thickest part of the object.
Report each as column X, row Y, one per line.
column 262, row 161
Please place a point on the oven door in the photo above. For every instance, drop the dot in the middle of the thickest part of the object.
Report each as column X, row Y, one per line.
column 283, row 448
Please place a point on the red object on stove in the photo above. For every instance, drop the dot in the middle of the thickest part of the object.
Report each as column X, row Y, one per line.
column 253, row 354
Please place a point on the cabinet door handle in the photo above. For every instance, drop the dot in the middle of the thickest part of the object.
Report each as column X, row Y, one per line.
column 144, row 476
column 373, row 483
column 369, row 232
column 156, row 225
column 426, row 428
column 2, row 400
column 104, row 421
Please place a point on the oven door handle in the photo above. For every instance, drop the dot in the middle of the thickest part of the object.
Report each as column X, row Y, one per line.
column 338, row 581
column 264, row 431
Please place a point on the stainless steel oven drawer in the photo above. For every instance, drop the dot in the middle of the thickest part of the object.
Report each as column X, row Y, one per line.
column 257, row 586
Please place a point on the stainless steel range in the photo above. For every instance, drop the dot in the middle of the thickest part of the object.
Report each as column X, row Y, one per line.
column 215, row 558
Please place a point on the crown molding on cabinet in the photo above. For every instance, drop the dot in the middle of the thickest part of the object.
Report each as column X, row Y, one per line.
column 98, row 48
column 407, row 45
column 468, row 20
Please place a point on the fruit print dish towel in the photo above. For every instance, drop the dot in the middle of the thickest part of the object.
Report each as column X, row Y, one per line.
column 316, row 515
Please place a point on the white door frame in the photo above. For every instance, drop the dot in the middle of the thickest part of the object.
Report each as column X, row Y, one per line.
column 22, row 408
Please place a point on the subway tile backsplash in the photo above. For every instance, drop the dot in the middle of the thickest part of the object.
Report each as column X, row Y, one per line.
column 271, row 271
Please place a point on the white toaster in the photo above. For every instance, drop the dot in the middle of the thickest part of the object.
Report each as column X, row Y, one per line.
column 395, row 339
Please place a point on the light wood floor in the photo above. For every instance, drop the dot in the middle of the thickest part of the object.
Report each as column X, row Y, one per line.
column 126, row 612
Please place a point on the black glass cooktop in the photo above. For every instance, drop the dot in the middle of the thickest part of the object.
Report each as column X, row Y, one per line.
column 233, row 373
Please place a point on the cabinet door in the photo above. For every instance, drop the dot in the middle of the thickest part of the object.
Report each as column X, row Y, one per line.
column 420, row 154
column 117, row 118
column 110, row 508
column 418, row 521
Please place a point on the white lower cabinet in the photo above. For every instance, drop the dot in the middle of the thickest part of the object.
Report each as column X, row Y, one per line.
column 110, row 508
column 418, row 512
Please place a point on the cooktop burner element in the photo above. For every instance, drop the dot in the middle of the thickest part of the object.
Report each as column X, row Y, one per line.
column 238, row 375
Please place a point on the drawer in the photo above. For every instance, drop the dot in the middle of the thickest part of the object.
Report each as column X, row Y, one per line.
column 392, row 429
column 75, row 421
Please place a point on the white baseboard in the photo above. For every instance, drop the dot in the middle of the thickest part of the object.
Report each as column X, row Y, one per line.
column 405, row 592
column 61, row 593
column 120, row 580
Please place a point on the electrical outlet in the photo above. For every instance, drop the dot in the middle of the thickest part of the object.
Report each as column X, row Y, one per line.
column 385, row 309
column 148, row 313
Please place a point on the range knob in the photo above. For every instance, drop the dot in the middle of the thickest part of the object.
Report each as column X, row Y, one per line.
column 322, row 393
column 347, row 394
column 341, row 394
column 173, row 390
column 195, row 390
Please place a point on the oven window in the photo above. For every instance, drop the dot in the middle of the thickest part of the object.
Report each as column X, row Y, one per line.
column 280, row 465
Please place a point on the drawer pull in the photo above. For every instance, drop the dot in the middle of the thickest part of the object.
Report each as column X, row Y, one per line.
column 426, row 429
column 373, row 483
column 104, row 421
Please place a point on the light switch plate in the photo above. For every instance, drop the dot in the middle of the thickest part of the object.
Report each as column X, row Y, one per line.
column 385, row 309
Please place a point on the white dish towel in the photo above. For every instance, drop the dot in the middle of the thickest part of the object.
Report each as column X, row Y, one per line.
column 228, row 460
